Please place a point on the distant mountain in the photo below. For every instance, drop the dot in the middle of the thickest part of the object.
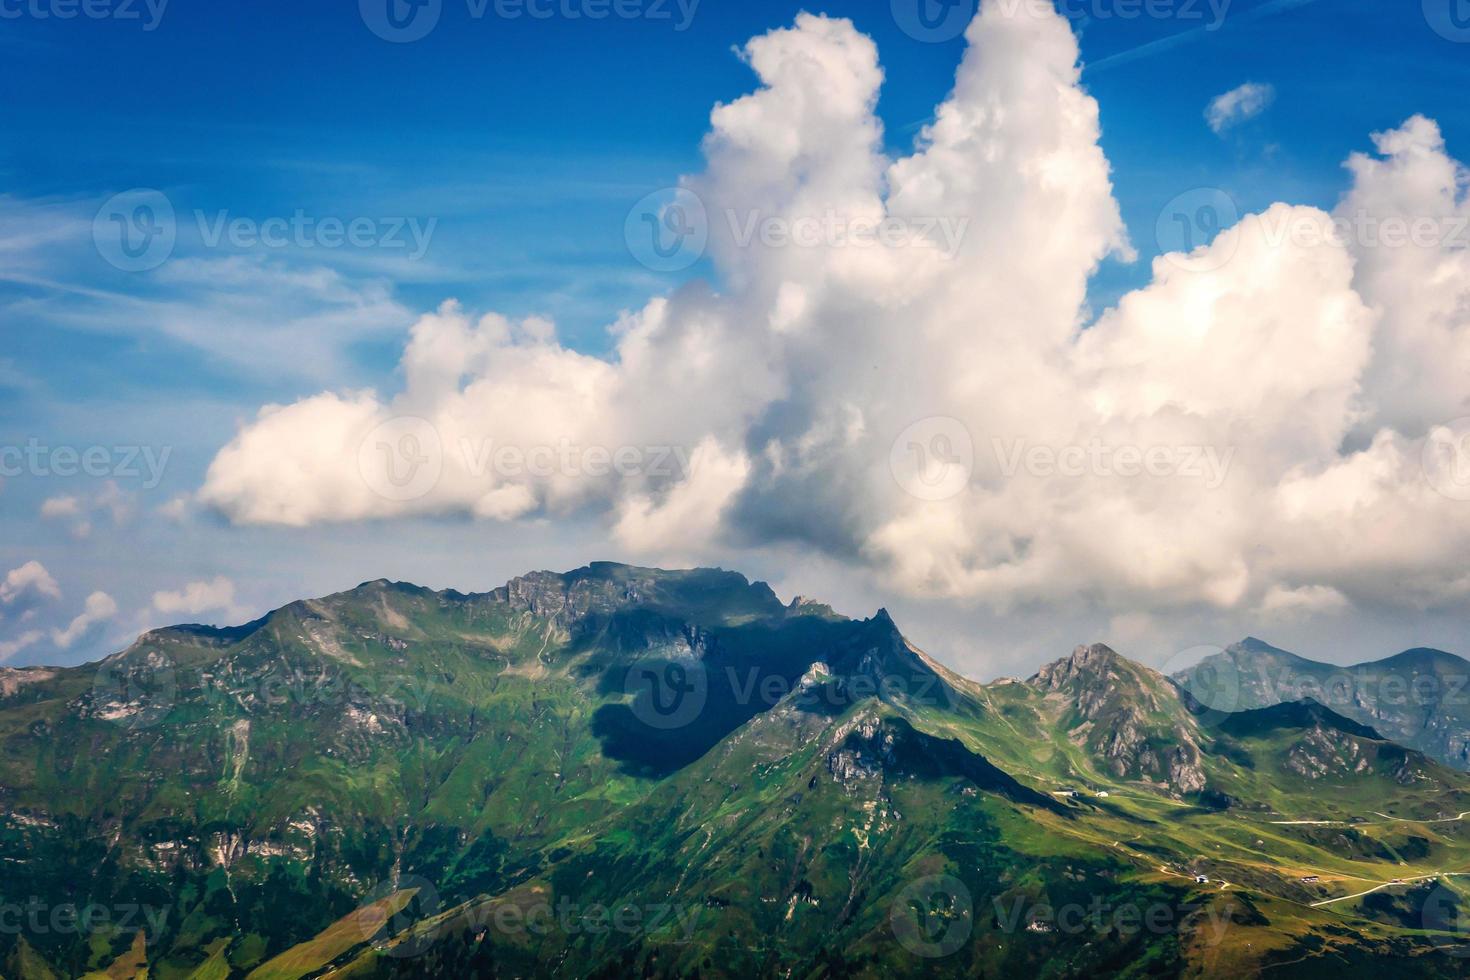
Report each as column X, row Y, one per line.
column 1419, row 698
column 632, row 772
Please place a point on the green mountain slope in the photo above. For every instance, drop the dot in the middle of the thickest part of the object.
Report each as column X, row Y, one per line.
column 1419, row 698
column 624, row 771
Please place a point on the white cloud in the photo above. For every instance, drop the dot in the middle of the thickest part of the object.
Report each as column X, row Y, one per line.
column 1309, row 600
column 99, row 608
column 1241, row 425
column 198, row 597
column 1238, row 105
column 79, row 511
column 9, row 648
column 689, row 510
column 178, row 509
column 55, row 508
column 28, row 584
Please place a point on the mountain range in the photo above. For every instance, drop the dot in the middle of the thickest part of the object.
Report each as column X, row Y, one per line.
column 621, row 771
column 1419, row 698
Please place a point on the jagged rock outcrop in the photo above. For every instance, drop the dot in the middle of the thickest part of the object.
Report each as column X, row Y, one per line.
column 1130, row 717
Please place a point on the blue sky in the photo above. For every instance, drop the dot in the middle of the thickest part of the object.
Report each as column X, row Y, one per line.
column 522, row 143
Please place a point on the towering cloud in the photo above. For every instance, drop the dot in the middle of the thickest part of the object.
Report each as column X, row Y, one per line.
column 898, row 367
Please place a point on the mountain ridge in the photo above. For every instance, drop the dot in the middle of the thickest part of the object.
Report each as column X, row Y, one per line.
column 1419, row 697
column 622, row 737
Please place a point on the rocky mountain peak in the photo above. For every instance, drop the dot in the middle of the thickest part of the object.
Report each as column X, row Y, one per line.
column 1087, row 662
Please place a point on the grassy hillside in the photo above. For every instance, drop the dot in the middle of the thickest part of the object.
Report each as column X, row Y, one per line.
column 627, row 771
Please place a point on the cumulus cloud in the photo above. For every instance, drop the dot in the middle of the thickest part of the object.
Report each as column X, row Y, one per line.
column 23, row 590
column 1247, row 431
column 27, row 585
column 98, row 609
column 1238, row 105
column 79, row 512
column 54, row 508
column 216, row 595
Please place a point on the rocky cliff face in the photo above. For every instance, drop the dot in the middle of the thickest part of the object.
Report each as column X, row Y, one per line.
column 604, row 589
column 1126, row 715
